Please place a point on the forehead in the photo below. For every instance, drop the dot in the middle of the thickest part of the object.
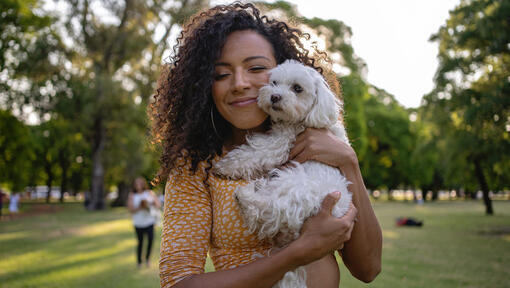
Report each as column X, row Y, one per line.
column 246, row 43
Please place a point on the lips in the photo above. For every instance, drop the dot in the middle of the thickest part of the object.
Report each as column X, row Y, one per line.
column 243, row 102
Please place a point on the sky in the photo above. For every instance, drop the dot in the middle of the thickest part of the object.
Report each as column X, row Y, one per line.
column 391, row 36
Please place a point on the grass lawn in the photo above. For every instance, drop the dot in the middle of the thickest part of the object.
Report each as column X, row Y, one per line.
column 457, row 247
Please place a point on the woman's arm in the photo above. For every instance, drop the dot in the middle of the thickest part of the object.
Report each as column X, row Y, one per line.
column 130, row 204
column 155, row 200
column 362, row 253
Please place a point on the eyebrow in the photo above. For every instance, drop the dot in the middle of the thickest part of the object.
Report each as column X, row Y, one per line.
column 245, row 60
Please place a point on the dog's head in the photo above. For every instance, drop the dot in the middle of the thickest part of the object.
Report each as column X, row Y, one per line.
column 298, row 93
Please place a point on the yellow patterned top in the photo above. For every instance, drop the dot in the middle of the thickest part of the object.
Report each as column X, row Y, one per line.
column 199, row 219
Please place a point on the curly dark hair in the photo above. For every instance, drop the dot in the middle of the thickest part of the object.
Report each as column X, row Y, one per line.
column 181, row 111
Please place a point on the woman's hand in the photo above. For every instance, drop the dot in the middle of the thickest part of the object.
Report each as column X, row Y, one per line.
column 323, row 146
column 323, row 233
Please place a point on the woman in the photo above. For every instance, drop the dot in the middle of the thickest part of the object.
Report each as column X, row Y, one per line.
column 205, row 106
column 143, row 204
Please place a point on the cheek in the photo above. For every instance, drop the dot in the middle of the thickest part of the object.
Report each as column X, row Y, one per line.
column 215, row 90
column 218, row 91
column 261, row 79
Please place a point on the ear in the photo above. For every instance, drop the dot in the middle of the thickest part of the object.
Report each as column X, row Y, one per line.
column 325, row 111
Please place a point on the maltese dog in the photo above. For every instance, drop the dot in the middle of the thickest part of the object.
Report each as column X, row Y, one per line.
column 278, row 201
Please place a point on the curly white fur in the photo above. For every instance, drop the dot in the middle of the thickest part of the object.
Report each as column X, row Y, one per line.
column 280, row 200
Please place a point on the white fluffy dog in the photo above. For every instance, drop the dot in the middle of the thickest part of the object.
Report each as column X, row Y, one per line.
column 278, row 201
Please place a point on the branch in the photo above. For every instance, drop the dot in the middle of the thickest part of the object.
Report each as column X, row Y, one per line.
column 84, row 21
column 120, row 30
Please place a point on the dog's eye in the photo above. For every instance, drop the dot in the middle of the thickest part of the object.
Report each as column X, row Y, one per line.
column 274, row 82
column 297, row 88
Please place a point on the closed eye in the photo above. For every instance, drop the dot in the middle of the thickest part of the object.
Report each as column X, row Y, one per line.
column 297, row 88
column 218, row 77
column 257, row 68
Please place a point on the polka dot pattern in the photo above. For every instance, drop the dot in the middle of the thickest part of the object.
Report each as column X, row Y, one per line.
column 200, row 220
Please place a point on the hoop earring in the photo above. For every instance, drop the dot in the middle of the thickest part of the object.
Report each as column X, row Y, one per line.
column 214, row 126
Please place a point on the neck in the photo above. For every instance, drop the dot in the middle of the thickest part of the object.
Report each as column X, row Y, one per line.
column 238, row 136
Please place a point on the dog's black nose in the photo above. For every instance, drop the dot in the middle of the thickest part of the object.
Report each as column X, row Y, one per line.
column 275, row 98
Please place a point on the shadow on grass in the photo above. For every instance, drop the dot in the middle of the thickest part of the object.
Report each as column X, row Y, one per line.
column 73, row 248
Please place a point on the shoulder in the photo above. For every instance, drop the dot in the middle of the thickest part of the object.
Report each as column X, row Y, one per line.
column 184, row 168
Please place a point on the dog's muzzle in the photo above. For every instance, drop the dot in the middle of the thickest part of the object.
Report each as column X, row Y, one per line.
column 275, row 98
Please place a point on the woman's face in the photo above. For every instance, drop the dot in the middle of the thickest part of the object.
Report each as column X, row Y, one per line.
column 139, row 184
column 241, row 70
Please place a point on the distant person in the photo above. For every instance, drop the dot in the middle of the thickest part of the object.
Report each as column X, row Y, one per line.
column 2, row 195
column 13, row 203
column 144, row 205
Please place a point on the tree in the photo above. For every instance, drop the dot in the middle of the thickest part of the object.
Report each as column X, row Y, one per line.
column 43, row 137
column 472, row 86
column 117, row 57
column 31, row 59
column 390, row 143
column 16, row 152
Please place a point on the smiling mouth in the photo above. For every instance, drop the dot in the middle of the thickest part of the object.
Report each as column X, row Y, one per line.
column 244, row 102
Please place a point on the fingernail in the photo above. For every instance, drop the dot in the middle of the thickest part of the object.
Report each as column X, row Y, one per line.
column 336, row 194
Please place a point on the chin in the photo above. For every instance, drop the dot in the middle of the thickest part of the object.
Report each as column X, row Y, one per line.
column 250, row 122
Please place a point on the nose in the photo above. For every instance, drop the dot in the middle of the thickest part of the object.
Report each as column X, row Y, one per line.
column 240, row 81
column 275, row 98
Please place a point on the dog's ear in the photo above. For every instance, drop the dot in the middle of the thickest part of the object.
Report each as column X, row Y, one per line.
column 326, row 108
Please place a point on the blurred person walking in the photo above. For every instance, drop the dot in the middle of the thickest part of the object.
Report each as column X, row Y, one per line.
column 2, row 195
column 144, row 206
column 13, row 203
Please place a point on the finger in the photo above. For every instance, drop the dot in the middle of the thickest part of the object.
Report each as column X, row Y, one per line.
column 302, row 157
column 301, row 136
column 351, row 214
column 329, row 201
column 288, row 164
column 348, row 233
column 297, row 149
column 311, row 134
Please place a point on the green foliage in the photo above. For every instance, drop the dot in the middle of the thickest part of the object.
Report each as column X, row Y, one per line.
column 472, row 89
column 390, row 142
column 31, row 57
column 354, row 91
column 121, row 64
column 16, row 152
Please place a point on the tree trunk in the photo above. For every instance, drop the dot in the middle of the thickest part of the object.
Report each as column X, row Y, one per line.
column 97, row 185
column 63, row 184
column 435, row 193
column 49, row 181
column 483, row 185
column 122, row 197
column 424, row 192
column 64, row 166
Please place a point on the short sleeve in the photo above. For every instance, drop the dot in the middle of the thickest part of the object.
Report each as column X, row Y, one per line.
column 186, row 226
